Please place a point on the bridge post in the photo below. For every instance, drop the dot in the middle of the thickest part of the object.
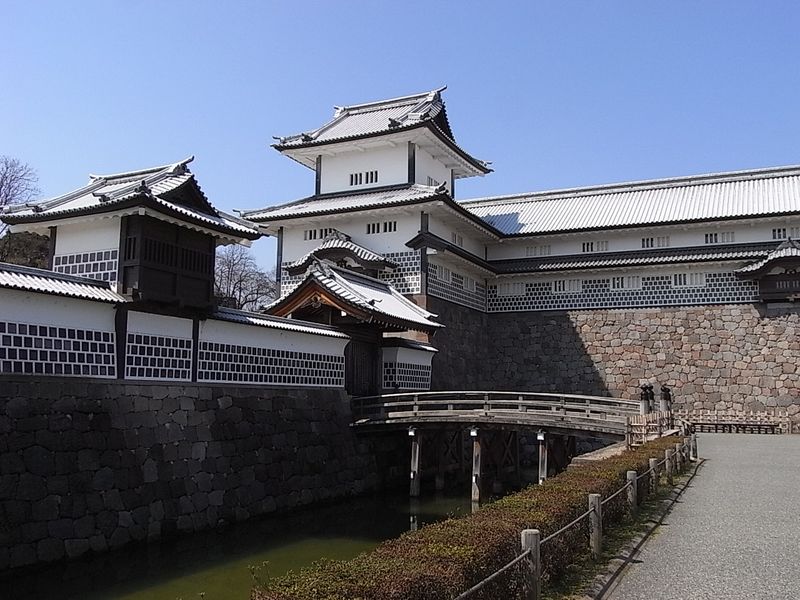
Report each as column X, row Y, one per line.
column 531, row 539
column 679, row 457
column 633, row 490
column 693, row 447
column 595, row 525
column 654, row 476
column 668, row 455
column 476, row 464
column 416, row 476
column 540, row 435
column 644, row 401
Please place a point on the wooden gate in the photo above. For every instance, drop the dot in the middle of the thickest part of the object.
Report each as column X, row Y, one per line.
column 362, row 368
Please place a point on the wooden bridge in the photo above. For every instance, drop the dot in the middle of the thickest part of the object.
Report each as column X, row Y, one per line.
column 494, row 420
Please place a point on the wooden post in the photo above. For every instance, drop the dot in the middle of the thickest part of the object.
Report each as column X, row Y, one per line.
column 633, row 501
column 595, row 525
column 542, row 461
column 693, row 447
column 531, row 538
column 653, row 476
column 416, row 478
column 668, row 455
column 678, row 457
column 476, row 468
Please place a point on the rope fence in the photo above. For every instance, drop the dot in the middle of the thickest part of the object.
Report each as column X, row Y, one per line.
column 531, row 540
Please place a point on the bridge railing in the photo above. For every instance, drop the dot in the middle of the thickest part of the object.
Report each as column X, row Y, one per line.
column 549, row 409
column 641, row 428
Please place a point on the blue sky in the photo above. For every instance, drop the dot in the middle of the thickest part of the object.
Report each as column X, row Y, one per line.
column 556, row 94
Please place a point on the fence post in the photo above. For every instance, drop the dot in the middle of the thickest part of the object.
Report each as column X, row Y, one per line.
column 595, row 525
column 633, row 501
column 644, row 401
column 531, row 538
column 653, row 476
column 668, row 455
column 679, row 457
column 693, row 446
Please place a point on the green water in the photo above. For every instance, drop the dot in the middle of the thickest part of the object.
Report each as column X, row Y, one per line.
column 217, row 565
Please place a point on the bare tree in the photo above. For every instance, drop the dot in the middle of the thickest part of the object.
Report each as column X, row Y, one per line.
column 17, row 183
column 239, row 283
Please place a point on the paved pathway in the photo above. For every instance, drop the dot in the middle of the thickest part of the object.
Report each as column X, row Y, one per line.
column 735, row 533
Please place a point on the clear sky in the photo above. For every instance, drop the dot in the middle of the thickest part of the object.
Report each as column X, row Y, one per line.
column 556, row 94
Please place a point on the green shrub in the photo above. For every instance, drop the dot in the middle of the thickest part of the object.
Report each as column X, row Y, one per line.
column 442, row 560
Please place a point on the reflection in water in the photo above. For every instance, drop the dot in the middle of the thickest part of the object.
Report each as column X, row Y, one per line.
column 218, row 563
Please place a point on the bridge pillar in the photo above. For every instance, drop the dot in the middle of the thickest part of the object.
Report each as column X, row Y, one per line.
column 416, row 476
column 540, row 436
column 476, row 464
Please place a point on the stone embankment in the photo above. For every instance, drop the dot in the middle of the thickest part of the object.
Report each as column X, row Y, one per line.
column 86, row 465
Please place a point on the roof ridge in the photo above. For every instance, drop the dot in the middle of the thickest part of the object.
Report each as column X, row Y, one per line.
column 127, row 174
column 397, row 100
column 626, row 186
column 47, row 274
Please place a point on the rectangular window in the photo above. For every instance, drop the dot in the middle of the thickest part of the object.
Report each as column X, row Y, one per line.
column 779, row 233
column 456, row 238
column 368, row 177
column 432, row 182
column 722, row 237
column 688, row 280
column 310, row 234
column 443, row 273
column 543, row 250
column 389, row 226
column 648, row 242
column 794, row 232
column 469, row 284
column 597, row 246
column 567, row 286
column 511, row 288
column 630, row 282
column 373, row 228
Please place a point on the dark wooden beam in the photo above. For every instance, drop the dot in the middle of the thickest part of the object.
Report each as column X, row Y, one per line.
column 318, row 175
column 412, row 162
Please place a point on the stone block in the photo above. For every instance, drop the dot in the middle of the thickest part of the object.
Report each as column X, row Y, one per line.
column 48, row 550
column 76, row 547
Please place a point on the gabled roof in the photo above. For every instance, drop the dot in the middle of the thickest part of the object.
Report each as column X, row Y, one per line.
column 373, row 119
column 732, row 195
column 28, row 279
column 338, row 246
column 363, row 297
column 787, row 253
column 261, row 320
column 604, row 260
column 169, row 189
column 347, row 202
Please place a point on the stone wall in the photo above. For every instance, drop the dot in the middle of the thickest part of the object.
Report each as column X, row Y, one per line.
column 462, row 345
column 87, row 465
column 740, row 356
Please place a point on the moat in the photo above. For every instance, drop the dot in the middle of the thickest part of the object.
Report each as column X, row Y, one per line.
column 217, row 565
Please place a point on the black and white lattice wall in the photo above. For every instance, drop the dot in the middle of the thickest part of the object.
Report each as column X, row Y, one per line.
column 406, row 376
column 456, row 287
column 595, row 291
column 100, row 264
column 36, row 349
column 406, row 276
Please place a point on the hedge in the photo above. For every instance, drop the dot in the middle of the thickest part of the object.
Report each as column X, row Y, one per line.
column 443, row 559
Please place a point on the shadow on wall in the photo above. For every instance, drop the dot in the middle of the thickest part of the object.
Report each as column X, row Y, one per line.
column 539, row 352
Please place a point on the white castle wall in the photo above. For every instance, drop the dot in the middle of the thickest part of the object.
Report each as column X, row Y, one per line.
column 390, row 162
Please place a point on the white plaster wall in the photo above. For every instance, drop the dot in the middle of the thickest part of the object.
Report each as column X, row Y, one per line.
column 680, row 236
column 139, row 322
column 444, row 230
column 354, row 225
column 45, row 309
column 425, row 166
column 390, row 162
column 98, row 234
column 224, row 332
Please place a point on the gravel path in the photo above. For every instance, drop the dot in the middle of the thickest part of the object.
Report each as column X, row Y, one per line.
column 735, row 532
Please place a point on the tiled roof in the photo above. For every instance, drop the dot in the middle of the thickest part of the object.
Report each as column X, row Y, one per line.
column 376, row 117
column 338, row 242
column 788, row 249
column 378, row 298
column 334, row 203
column 732, row 195
column 632, row 258
column 262, row 320
column 28, row 279
column 155, row 187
